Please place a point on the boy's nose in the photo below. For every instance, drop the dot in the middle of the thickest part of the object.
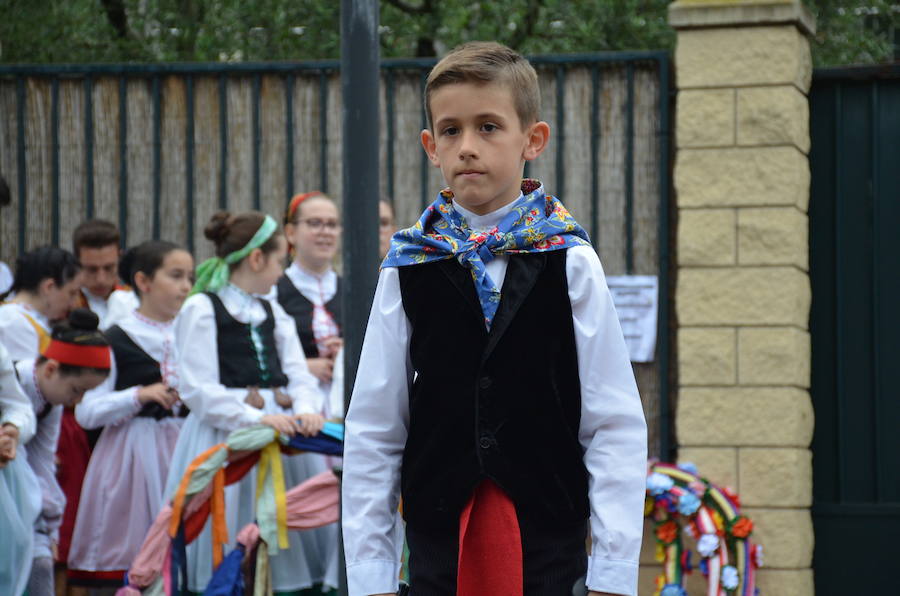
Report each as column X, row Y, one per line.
column 467, row 146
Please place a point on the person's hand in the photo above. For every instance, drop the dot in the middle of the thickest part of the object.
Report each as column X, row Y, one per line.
column 332, row 346
column 310, row 424
column 321, row 368
column 282, row 423
column 159, row 393
column 9, row 440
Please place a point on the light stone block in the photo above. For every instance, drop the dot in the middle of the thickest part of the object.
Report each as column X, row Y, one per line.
column 743, row 296
column 705, row 118
column 743, row 56
column 773, row 236
column 786, row 536
column 773, row 116
column 739, row 416
column 773, row 356
column 706, row 356
column 716, row 464
column 707, row 237
column 745, row 176
column 784, row 582
column 775, row 477
column 718, row 13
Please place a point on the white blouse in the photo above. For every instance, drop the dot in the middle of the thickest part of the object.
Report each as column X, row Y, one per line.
column 198, row 360
column 16, row 331
column 613, row 432
column 318, row 289
column 103, row 405
column 40, row 451
column 15, row 407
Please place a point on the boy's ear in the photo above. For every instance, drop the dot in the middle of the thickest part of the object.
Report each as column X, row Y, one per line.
column 538, row 135
column 50, row 367
column 430, row 146
column 46, row 285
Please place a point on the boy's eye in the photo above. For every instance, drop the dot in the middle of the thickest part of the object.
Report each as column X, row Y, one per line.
column 451, row 130
column 488, row 127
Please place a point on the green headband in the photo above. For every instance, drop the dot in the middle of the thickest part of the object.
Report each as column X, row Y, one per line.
column 213, row 274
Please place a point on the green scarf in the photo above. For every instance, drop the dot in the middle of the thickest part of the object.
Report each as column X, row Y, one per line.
column 213, row 274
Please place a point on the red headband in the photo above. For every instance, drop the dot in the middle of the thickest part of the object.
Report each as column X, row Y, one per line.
column 295, row 202
column 78, row 354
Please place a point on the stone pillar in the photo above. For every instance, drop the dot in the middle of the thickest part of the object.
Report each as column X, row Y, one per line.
column 742, row 181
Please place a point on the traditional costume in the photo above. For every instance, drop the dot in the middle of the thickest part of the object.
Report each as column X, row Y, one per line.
column 125, row 480
column 504, row 419
column 314, row 302
column 239, row 360
column 20, row 493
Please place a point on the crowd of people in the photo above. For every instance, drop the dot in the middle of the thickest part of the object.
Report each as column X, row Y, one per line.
column 120, row 367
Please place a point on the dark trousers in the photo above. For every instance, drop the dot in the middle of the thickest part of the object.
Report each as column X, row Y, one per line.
column 553, row 560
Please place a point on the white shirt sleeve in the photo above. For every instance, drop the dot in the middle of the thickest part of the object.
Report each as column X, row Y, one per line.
column 15, row 407
column 198, row 368
column 303, row 387
column 613, row 431
column 41, row 451
column 377, row 426
column 104, row 406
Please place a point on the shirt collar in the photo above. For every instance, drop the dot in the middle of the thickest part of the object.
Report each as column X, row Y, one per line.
column 488, row 220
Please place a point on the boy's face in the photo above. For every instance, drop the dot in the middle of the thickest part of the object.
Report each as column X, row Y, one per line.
column 99, row 269
column 479, row 143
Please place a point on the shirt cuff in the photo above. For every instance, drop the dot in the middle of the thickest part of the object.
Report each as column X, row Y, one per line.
column 613, row 576
column 20, row 421
column 379, row 576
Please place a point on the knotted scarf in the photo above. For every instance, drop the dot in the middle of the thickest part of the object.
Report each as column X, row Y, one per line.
column 537, row 223
column 213, row 274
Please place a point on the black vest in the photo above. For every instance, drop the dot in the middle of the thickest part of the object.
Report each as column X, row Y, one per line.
column 298, row 306
column 135, row 367
column 238, row 364
column 504, row 404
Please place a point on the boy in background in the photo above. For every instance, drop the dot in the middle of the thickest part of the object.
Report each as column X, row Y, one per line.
column 498, row 399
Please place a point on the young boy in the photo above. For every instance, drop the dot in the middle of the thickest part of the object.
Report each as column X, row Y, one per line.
column 495, row 393
column 95, row 244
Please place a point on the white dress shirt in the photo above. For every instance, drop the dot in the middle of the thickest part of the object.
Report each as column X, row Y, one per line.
column 613, row 432
column 198, row 365
column 103, row 405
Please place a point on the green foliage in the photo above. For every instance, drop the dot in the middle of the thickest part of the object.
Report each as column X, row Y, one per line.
column 40, row 31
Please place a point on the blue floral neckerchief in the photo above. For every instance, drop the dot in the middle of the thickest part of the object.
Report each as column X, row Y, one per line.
column 537, row 223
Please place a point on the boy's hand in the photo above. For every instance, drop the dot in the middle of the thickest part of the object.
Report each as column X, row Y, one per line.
column 310, row 424
column 9, row 439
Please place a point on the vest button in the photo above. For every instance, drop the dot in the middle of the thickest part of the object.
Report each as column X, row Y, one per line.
column 485, row 442
column 484, row 382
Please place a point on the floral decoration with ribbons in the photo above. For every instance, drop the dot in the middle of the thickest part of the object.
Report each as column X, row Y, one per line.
column 213, row 273
column 679, row 501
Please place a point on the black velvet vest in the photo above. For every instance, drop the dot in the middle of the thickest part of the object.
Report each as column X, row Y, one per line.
column 298, row 306
column 134, row 367
column 238, row 364
column 504, row 404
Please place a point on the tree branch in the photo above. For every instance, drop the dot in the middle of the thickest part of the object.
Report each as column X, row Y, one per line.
column 117, row 17
column 530, row 21
column 409, row 8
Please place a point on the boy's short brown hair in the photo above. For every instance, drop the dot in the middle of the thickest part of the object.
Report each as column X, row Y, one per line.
column 483, row 62
column 94, row 233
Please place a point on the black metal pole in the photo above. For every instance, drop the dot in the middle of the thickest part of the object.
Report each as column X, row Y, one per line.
column 360, row 92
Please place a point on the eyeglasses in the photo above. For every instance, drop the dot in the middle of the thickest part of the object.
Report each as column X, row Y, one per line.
column 317, row 225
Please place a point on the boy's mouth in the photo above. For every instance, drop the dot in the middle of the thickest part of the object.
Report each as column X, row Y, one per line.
column 470, row 173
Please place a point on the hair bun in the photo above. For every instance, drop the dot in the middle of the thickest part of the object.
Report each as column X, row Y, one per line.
column 217, row 228
column 84, row 319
